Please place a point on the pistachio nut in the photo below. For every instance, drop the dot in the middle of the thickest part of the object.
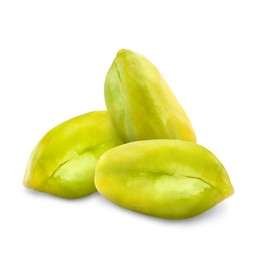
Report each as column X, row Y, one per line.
column 63, row 162
column 171, row 179
column 140, row 102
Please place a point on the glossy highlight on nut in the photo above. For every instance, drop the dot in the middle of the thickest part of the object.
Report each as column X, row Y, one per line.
column 170, row 179
column 140, row 102
column 63, row 162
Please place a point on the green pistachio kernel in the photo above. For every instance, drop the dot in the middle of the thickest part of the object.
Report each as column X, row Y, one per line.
column 171, row 179
column 140, row 102
column 63, row 162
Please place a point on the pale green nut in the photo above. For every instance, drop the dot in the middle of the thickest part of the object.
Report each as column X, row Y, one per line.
column 140, row 102
column 63, row 162
column 170, row 179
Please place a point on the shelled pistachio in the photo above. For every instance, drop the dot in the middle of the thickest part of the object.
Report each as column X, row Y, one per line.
column 63, row 162
column 171, row 179
column 140, row 102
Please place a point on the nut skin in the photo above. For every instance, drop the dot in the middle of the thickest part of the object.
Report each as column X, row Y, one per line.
column 140, row 102
column 63, row 162
column 170, row 179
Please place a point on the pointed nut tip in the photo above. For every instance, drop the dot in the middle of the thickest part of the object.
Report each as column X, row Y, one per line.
column 122, row 52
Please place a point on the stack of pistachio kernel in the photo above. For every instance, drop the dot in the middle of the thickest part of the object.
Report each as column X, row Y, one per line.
column 141, row 154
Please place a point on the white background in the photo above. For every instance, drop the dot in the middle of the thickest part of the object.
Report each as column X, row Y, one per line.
column 54, row 56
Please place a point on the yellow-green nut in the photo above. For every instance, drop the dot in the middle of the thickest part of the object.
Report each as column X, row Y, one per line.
column 63, row 162
column 170, row 179
column 140, row 102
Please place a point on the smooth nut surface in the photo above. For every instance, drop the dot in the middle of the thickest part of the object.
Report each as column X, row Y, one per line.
column 164, row 178
column 63, row 162
column 140, row 102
